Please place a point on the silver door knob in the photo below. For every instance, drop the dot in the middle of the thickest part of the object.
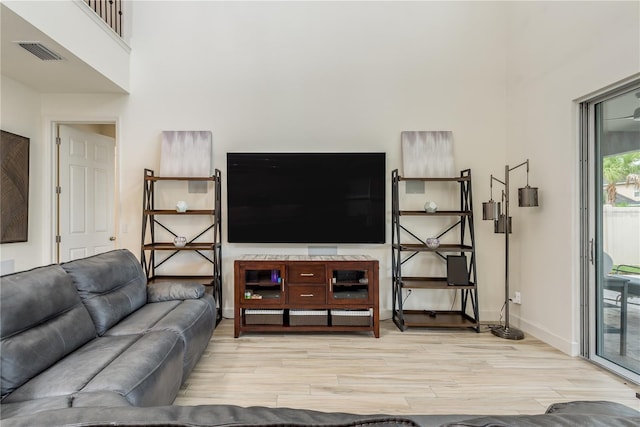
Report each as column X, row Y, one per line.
column 112, row 238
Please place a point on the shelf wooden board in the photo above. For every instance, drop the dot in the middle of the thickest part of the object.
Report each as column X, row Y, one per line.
column 441, row 179
column 304, row 328
column 445, row 247
column 179, row 178
column 414, row 282
column 174, row 212
column 437, row 213
column 205, row 246
column 437, row 319
column 263, row 283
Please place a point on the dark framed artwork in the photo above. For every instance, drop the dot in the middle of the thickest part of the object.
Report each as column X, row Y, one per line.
column 14, row 187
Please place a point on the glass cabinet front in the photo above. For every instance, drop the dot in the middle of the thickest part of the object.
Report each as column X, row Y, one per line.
column 263, row 286
column 348, row 286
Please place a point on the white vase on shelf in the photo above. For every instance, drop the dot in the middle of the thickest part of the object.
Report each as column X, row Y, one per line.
column 181, row 206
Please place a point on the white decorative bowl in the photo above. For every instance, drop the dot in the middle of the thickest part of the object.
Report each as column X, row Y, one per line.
column 180, row 241
column 432, row 242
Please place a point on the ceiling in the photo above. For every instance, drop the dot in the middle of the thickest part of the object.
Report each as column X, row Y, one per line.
column 70, row 75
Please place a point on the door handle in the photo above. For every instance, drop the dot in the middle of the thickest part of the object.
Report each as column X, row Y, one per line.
column 591, row 251
column 112, row 238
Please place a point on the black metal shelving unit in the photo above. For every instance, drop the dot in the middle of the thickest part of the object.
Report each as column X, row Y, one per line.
column 466, row 315
column 210, row 251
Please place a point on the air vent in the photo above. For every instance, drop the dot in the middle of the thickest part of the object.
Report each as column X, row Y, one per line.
column 41, row 51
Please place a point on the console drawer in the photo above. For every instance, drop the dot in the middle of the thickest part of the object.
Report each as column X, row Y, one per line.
column 307, row 294
column 306, row 273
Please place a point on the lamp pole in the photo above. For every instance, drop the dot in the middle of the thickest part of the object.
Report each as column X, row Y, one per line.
column 507, row 331
column 527, row 197
column 506, row 247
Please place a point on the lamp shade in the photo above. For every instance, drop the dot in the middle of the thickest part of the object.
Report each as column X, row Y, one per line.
column 500, row 223
column 527, row 197
column 490, row 210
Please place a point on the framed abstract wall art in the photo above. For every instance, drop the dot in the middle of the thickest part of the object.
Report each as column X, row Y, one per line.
column 14, row 188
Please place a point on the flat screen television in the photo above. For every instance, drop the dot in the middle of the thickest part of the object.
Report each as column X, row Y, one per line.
column 306, row 197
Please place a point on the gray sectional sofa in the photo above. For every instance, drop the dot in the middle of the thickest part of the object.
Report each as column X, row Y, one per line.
column 91, row 332
column 88, row 343
column 570, row 414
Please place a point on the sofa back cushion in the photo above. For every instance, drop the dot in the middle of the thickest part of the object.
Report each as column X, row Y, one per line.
column 41, row 320
column 112, row 285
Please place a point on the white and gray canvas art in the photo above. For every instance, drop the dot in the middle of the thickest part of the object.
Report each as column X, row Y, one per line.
column 427, row 154
column 186, row 153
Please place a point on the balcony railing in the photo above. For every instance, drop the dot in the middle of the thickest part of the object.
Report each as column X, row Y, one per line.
column 110, row 11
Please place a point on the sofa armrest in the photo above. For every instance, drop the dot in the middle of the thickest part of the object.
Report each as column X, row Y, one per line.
column 169, row 291
column 598, row 407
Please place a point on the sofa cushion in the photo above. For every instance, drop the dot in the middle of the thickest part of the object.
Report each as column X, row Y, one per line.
column 149, row 373
column 192, row 320
column 210, row 416
column 41, row 320
column 35, row 406
column 112, row 285
column 73, row 372
column 545, row 420
column 143, row 319
column 168, row 291
column 145, row 369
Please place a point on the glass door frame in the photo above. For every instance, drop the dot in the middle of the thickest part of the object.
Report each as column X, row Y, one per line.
column 591, row 246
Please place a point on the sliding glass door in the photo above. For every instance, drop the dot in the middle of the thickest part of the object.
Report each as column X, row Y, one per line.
column 611, row 230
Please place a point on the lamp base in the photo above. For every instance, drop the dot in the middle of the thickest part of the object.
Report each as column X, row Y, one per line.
column 508, row 333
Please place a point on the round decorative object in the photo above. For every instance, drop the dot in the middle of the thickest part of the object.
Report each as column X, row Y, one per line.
column 181, row 206
column 179, row 241
column 430, row 207
column 432, row 242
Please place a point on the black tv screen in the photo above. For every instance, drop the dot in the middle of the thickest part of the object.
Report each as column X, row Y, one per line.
column 306, row 197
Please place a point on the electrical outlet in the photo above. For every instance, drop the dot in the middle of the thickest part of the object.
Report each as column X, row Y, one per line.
column 517, row 298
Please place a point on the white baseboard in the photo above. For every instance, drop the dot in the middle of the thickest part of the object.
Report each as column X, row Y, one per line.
column 572, row 348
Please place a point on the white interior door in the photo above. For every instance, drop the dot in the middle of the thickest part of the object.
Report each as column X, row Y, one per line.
column 86, row 193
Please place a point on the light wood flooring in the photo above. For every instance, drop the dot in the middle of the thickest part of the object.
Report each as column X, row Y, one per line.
column 413, row 372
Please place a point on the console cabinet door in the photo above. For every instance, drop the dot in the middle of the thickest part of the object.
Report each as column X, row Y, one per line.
column 350, row 284
column 261, row 284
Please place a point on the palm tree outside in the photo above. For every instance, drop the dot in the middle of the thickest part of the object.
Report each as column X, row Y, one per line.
column 620, row 168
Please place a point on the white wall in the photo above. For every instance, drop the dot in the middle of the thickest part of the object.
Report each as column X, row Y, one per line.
column 558, row 52
column 320, row 76
column 20, row 114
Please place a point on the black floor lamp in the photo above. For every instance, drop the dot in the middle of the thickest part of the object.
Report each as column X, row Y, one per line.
column 491, row 210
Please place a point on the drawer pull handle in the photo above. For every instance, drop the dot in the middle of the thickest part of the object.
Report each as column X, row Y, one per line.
column 306, row 295
column 307, row 274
